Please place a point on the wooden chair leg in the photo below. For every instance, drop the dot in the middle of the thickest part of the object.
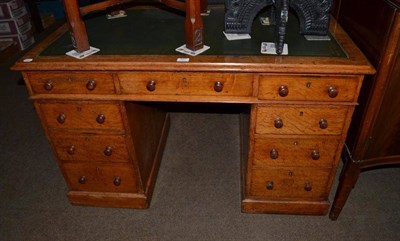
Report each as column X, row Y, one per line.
column 203, row 6
column 77, row 27
column 194, row 25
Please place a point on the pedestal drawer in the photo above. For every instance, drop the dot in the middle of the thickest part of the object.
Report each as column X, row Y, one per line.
column 295, row 151
column 71, row 83
column 89, row 147
column 82, row 115
column 99, row 178
column 310, row 88
column 286, row 182
column 282, row 119
column 192, row 84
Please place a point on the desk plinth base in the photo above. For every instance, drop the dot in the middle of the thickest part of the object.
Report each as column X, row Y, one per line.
column 285, row 207
column 109, row 200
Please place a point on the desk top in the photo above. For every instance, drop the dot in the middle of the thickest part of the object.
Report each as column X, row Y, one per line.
column 147, row 39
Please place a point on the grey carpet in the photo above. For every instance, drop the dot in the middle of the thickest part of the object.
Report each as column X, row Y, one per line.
column 197, row 194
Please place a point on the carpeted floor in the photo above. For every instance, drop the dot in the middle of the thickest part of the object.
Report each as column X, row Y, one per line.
column 197, row 194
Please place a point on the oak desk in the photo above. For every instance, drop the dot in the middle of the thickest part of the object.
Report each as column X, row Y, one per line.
column 102, row 120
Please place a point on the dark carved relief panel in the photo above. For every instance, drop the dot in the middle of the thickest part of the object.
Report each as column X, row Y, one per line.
column 239, row 14
column 313, row 16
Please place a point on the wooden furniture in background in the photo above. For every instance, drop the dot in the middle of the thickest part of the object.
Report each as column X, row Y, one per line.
column 103, row 117
column 193, row 23
column 35, row 15
column 374, row 136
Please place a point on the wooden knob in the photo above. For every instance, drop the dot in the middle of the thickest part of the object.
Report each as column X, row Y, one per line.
column 333, row 91
column 48, row 85
column 108, row 151
column 274, row 154
column 315, row 154
column 323, row 124
column 151, row 85
column 283, row 91
column 218, row 86
column 91, row 85
column 278, row 123
column 100, row 118
column 61, row 118
column 71, row 150
column 308, row 187
column 270, row 185
column 117, row 181
column 82, row 180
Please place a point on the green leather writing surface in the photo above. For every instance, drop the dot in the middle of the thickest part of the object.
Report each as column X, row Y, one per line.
column 160, row 32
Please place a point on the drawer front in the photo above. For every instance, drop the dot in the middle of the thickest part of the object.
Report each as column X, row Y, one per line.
column 90, row 147
column 309, row 88
column 290, row 182
column 195, row 84
column 99, row 178
column 71, row 83
column 317, row 152
column 82, row 115
column 300, row 119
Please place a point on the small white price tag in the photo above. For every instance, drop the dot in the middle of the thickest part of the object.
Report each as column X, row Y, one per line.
column 187, row 51
column 84, row 54
column 182, row 60
column 236, row 36
column 269, row 48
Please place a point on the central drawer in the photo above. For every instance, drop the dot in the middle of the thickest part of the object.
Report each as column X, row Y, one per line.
column 186, row 83
column 100, row 178
column 87, row 147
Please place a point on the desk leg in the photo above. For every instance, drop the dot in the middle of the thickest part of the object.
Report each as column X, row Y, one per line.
column 347, row 181
column 194, row 25
column 76, row 26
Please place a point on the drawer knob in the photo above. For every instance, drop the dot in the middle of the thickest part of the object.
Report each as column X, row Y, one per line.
column 117, row 181
column 315, row 155
column 82, row 180
column 218, row 86
column 270, row 185
column 101, row 118
column 308, row 187
column 61, row 118
column 48, row 85
column 108, row 151
column 91, row 85
column 323, row 124
column 274, row 154
column 333, row 91
column 283, row 91
column 278, row 123
column 151, row 85
column 71, row 150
